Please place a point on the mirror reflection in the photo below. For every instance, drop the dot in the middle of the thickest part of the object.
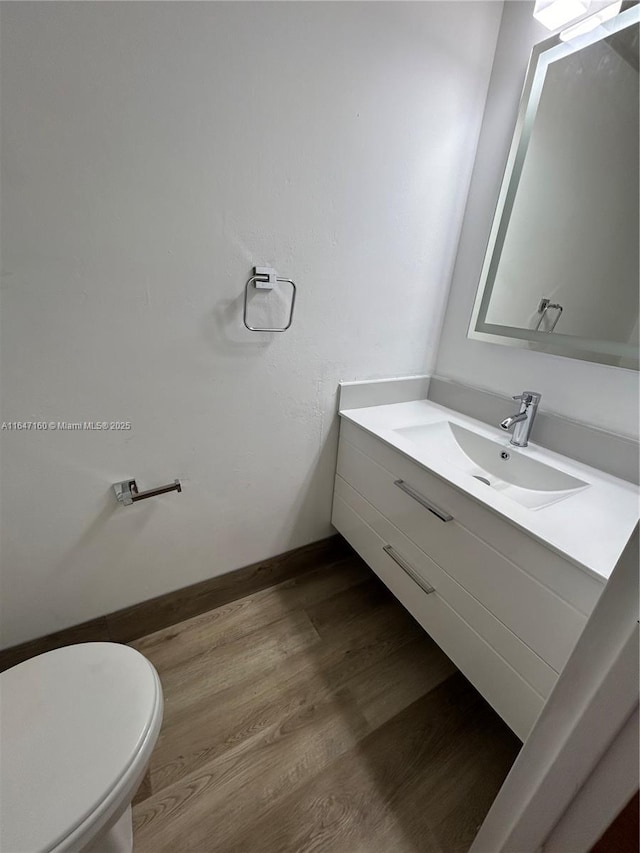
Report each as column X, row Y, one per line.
column 562, row 267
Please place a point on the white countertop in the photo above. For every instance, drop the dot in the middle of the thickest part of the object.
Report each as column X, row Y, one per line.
column 590, row 527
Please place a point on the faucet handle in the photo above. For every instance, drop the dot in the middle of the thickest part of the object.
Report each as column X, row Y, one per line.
column 528, row 397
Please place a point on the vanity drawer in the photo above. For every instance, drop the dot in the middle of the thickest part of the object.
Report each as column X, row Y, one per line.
column 545, row 622
column 538, row 674
column 511, row 696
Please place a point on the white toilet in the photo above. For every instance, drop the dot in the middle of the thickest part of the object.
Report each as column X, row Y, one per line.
column 77, row 727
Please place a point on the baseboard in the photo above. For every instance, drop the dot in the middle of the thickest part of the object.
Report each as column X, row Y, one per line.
column 136, row 621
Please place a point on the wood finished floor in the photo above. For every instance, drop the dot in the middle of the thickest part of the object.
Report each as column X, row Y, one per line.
column 316, row 716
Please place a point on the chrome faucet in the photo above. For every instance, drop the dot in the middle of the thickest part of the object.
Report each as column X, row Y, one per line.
column 523, row 420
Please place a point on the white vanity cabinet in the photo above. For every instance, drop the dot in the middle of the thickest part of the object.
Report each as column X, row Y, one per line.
column 505, row 608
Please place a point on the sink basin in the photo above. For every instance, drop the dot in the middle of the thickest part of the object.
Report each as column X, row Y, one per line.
column 499, row 466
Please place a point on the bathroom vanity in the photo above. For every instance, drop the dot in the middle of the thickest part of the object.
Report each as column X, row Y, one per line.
column 499, row 553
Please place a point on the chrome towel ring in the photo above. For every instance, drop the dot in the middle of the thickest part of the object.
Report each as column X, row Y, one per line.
column 266, row 278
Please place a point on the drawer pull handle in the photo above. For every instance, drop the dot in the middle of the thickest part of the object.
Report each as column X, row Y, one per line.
column 441, row 513
column 423, row 584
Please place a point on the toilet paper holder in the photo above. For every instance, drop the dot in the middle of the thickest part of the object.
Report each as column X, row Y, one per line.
column 127, row 491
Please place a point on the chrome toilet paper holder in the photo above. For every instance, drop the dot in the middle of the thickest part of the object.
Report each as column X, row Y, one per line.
column 127, row 493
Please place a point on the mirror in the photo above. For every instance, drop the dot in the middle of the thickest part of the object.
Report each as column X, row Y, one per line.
column 561, row 271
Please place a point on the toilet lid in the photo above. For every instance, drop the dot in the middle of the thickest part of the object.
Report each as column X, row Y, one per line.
column 71, row 723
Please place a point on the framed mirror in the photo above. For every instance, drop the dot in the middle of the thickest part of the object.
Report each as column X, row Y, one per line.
column 561, row 271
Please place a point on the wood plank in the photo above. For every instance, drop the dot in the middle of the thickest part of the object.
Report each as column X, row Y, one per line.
column 202, row 725
column 374, row 791
column 144, row 791
column 399, row 679
column 340, row 715
column 316, row 716
column 170, row 646
column 239, row 662
column 463, row 781
column 337, row 610
column 203, row 809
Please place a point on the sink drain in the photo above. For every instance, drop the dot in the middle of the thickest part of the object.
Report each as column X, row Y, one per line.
column 482, row 479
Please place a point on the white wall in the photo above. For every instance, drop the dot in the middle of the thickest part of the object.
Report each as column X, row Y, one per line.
column 604, row 396
column 152, row 153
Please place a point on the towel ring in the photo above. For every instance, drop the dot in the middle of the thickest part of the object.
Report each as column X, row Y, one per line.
column 544, row 306
column 265, row 278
